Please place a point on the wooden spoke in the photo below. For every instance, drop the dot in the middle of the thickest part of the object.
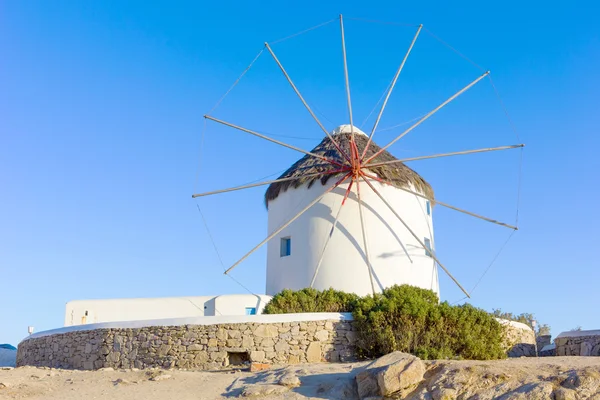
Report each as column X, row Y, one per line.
column 456, row 153
column 347, row 80
column 431, row 251
column 390, row 91
column 322, row 256
column 493, row 221
column 429, row 114
column 251, row 185
column 277, row 231
column 305, row 103
column 260, row 135
column 364, row 235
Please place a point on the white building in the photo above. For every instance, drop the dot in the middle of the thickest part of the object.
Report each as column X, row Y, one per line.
column 292, row 257
column 80, row 312
column 396, row 257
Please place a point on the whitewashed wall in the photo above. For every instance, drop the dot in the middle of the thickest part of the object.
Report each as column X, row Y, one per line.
column 344, row 267
column 99, row 311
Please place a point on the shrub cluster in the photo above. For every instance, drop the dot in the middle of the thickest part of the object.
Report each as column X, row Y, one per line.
column 404, row 318
column 310, row 300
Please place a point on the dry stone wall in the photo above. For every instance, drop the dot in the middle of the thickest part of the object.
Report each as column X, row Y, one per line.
column 218, row 345
column 519, row 339
column 578, row 344
column 192, row 346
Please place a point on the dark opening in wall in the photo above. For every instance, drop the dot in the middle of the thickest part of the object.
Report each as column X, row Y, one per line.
column 238, row 358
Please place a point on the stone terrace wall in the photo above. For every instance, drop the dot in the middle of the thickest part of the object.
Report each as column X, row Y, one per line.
column 578, row 343
column 192, row 346
column 519, row 339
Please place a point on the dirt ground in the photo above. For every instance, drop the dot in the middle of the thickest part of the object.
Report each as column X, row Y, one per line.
column 536, row 378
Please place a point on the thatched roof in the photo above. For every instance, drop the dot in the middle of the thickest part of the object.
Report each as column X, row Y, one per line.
column 398, row 174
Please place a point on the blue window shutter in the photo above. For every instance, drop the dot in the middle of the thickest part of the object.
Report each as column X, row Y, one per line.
column 285, row 247
column 428, row 246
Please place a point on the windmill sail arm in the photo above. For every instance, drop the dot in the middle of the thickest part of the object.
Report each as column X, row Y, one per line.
column 305, row 103
column 347, row 81
column 429, row 114
column 456, row 153
column 431, row 252
column 364, row 235
column 260, row 135
column 390, row 91
column 251, row 185
column 322, row 256
column 277, row 231
column 472, row 214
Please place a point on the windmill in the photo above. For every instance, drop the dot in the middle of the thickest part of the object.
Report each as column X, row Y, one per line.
column 356, row 190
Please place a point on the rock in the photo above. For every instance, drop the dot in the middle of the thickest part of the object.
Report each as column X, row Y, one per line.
column 565, row 394
column 108, row 369
column 541, row 390
column 263, row 390
column 160, row 377
column 444, row 394
column 4, row 385
column 266, row 331
column 282, row 346
column 290, row 380
column 294, row 359
column 586, row 349
column 255, row 367
column 389, row 374
column 257, row 356
column 121, row 381
column 313, row 353
column 322, row 336
column 344, row 389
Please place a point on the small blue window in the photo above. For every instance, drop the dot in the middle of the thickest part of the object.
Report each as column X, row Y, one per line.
column 428, row 247
column 250, row 310
column 286, row 247
column 428, row 207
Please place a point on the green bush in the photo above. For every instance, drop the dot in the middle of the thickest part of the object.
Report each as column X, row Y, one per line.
column 310, row 300
column 410, row 319
column 404, row 318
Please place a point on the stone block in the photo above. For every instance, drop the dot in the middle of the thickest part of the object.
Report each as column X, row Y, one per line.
column 313, row 353
column 266, row 331
column 257, row 356
column 322, row 336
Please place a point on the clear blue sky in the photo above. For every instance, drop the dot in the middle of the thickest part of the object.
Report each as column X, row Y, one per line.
column 101, row 108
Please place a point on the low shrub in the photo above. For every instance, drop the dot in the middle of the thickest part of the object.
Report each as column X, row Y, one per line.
column 404, row 318
column 310, row 300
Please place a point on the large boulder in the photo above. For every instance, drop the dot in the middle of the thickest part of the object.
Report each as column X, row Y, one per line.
column 393, row 373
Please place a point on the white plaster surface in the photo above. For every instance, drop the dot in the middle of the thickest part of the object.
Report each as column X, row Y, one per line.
column 110, row 310
column 346, row 129
column 579, row 333
column 208, row 320
column 514, row 324
column 344, row 263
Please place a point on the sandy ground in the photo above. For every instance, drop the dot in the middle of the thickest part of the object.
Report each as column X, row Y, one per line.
column 319, row 381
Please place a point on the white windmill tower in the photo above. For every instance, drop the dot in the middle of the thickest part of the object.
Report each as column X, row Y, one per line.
column 365, row 221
